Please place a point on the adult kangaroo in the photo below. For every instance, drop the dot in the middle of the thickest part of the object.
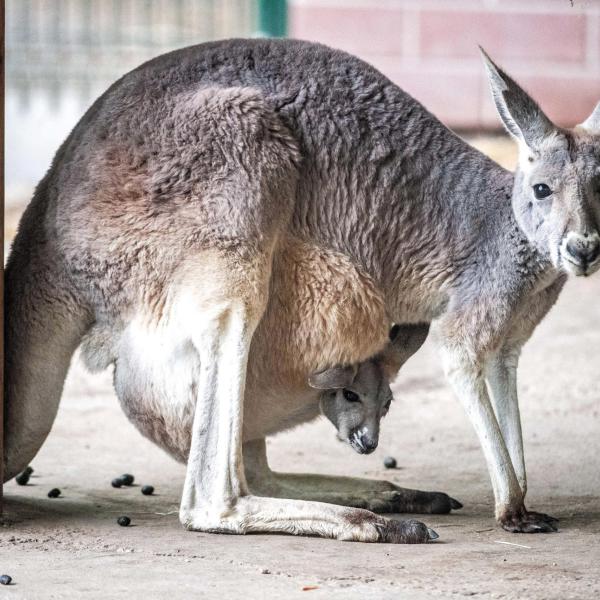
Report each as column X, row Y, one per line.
column 181, row 211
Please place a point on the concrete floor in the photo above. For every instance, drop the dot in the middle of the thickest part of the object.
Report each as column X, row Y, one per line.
column 71, row 547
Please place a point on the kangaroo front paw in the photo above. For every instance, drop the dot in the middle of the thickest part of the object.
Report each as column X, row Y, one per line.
column 522, row 520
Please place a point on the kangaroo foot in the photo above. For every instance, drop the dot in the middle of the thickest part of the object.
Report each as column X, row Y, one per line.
column 525, row 521
column 405, row 532
column 412, row 501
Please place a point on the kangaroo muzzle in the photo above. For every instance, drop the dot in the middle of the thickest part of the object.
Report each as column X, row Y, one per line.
column 362, row 441
column 581, row 252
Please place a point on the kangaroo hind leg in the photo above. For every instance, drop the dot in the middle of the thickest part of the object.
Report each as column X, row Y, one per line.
column 223, row 315
column 374, row 495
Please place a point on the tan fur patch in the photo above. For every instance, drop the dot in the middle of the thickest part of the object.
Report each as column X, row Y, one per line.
column 322, row 311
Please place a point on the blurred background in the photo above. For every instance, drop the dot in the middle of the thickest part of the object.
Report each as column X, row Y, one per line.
column 62, row 54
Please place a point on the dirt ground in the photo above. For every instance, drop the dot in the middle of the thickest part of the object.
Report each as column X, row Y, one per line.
column 72, row 547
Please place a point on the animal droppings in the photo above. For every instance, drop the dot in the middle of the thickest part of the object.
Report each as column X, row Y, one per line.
column 127, row 479
column 389, row 462
column 117, row 482
column 5, row 579
column 54, row 493
column 22, row 478
column 148, row 490
column 123, row 521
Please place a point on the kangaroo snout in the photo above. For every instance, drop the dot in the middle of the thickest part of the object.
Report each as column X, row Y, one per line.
column 581, row 252
column 362, row 441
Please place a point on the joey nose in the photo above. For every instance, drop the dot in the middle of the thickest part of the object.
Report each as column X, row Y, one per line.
column 362, row 442
column 584, row 250
column 369, row 444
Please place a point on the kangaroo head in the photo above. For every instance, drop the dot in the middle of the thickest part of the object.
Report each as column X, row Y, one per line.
column 556, row 195
column 355, row 399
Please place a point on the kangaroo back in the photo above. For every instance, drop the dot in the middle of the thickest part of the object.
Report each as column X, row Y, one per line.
column 44, row 322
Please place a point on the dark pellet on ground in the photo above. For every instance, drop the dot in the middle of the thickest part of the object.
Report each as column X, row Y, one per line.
column 117, row 482
column 54, row 493
column 148, row 490
column 22, row 478
column 28, row 470
column 389, row 462
column 123, row 521
column 127, row 479
column 5, row 579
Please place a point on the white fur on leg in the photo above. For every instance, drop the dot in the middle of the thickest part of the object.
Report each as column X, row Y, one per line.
column 502, row 381
column 215, row 479
column 469, row 384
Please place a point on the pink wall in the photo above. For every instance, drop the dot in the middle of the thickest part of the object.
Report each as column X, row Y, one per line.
column 429, row 47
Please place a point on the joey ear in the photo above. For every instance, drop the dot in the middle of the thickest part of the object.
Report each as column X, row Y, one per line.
column 335, row 378
column 521, row 115
column 407, row 339
column 592, row 123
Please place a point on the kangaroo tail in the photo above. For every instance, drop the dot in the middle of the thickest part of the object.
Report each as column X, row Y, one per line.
column 44, row 323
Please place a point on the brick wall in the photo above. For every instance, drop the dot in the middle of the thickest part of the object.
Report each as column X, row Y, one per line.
column 429, row 47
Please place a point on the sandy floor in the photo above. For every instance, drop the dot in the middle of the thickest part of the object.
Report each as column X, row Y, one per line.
column 71, row 547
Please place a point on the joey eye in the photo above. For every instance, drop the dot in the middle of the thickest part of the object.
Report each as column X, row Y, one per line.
column 350, row 396
column 541, row 190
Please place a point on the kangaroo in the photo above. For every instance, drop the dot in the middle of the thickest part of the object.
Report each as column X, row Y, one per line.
column 203, row 180
column 356, row 405
column 355, row 399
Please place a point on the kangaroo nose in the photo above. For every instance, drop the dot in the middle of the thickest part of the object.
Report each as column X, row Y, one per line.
column 369, row 444
column 362, row 442
column 584, row 250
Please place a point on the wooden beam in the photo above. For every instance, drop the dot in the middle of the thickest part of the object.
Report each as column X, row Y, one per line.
column 2, row 249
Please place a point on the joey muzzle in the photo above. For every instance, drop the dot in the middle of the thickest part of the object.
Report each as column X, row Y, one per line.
column 362, row 441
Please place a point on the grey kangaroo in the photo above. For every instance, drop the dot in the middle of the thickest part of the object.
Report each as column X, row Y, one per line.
column 282, row 198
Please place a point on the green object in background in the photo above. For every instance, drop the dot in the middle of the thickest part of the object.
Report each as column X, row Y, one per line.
column 272, row 18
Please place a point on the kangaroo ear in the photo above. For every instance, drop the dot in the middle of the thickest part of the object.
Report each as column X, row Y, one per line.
column 335, row 378
column 592, row 123
column 407, row 339
column 521, row 115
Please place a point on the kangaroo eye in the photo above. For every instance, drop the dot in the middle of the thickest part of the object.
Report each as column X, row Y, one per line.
column 387, row 405
column 351, row 396
column 541, row 190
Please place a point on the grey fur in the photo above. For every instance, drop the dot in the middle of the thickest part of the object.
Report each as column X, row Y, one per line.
column 228, row 149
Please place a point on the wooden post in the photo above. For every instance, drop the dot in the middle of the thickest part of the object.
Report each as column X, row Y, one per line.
column 2, row 251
